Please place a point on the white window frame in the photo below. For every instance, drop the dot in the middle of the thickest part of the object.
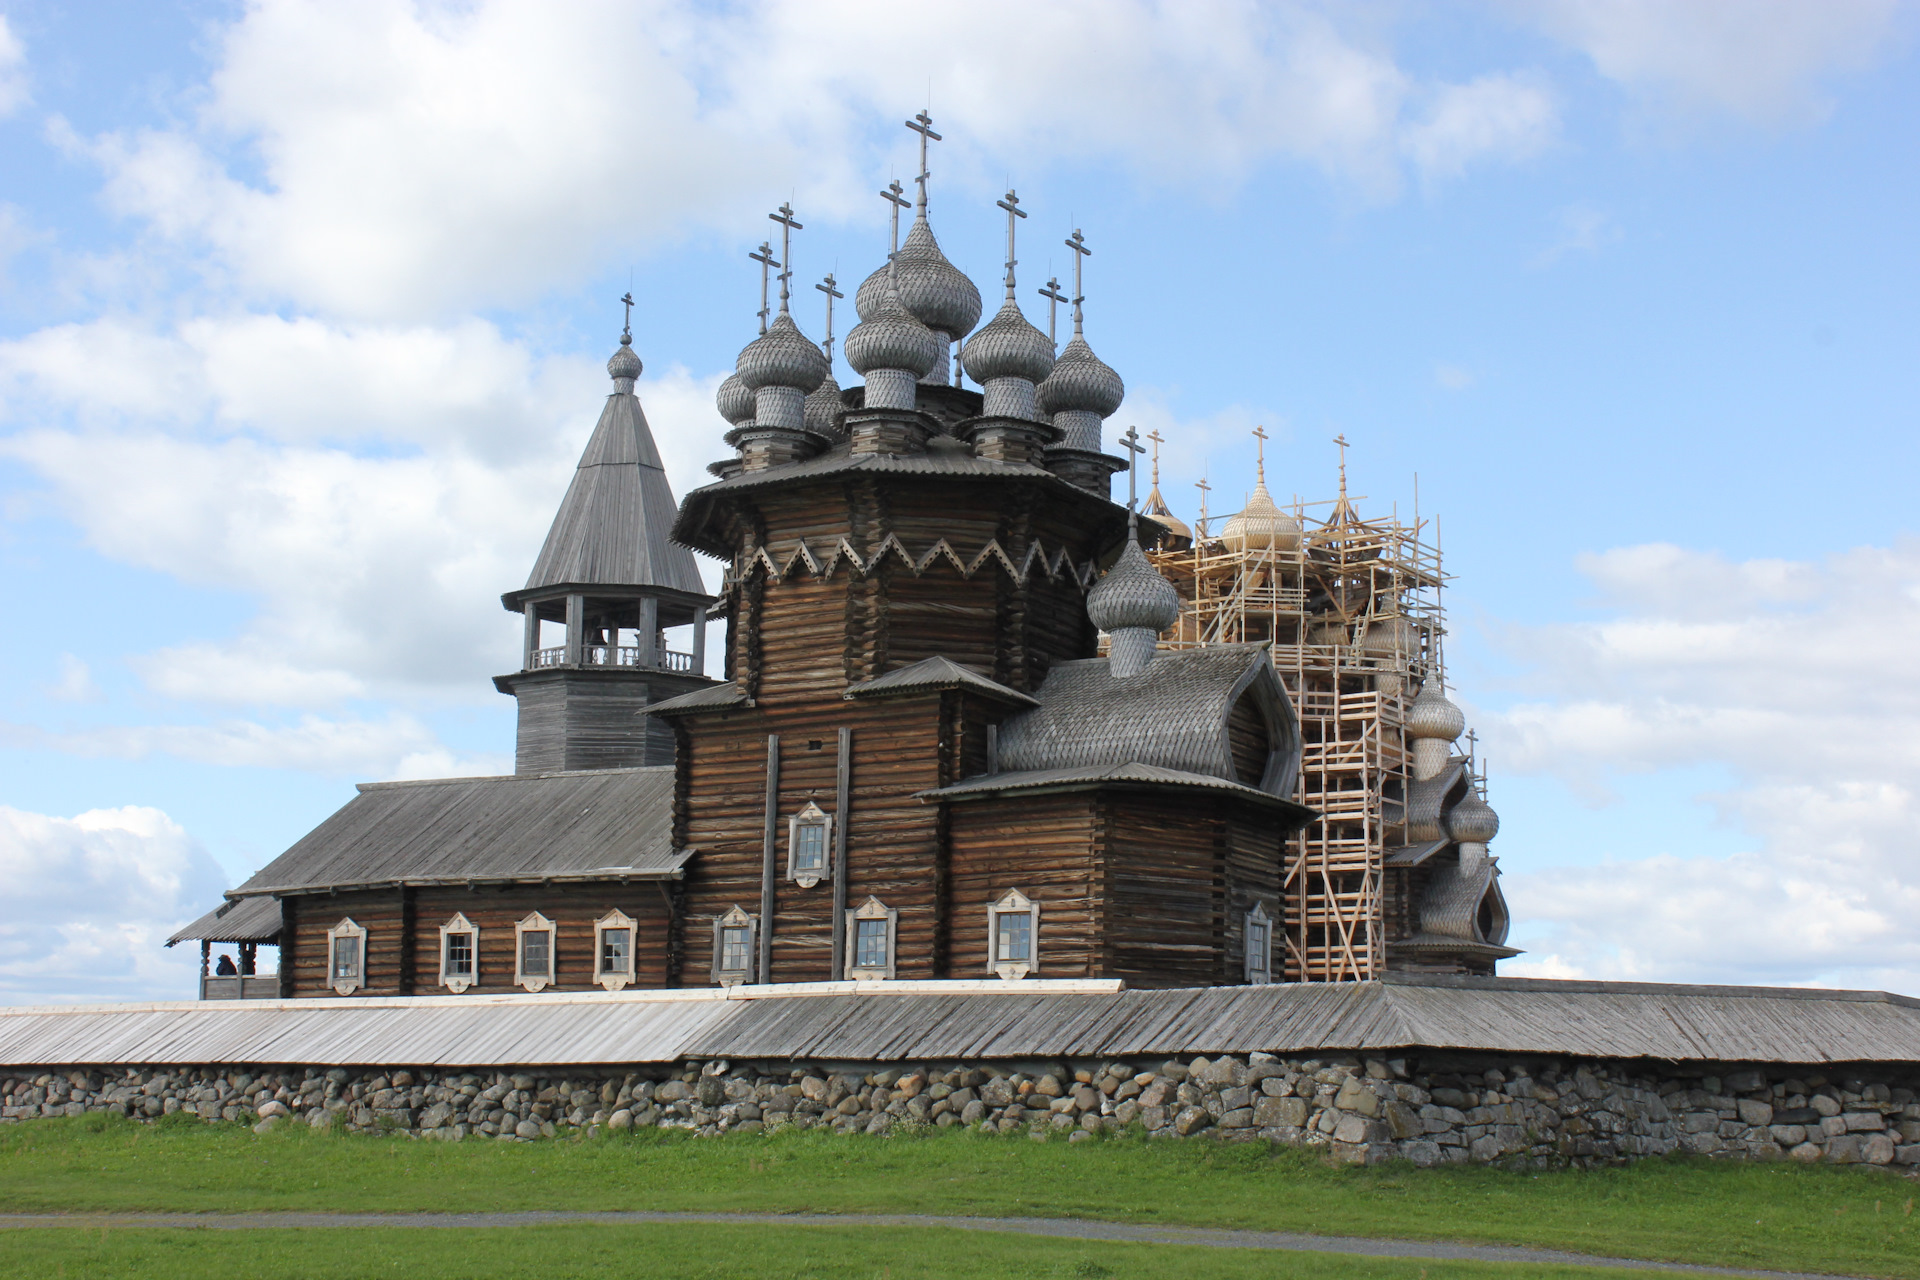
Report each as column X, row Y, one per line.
column 348, row 985
column 811, row 816
column 1259, row 965
column 453, row 982
column 735, row 918
column 534, row 923
column 871, row 909
column 614, row 921
column 1013, row 902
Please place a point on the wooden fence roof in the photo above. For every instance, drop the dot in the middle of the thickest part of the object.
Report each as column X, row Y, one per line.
column 942, row 1021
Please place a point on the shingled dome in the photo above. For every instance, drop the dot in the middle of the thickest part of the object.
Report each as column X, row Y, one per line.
column 734, row 400
column 1080, row 380
column 890, row 337
column 933, row 290
column 782, row 357
column 1133, row 594
column 1007, row 346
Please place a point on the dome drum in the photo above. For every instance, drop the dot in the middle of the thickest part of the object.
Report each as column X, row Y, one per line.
column 1079, row 429
column 1129, row 650
column 1009, row 398
column 888, row 432
column 780, row 407
column 1430, row 756
column 1017, row 440
column 1085, row 469
column 891, row 389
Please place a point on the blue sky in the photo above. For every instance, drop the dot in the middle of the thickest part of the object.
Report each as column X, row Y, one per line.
column 305, row 308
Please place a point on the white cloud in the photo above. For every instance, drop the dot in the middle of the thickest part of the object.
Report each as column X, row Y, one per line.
column 398, row 746
column 86, row 904
column 1762, row 60
column 13, row 70
column 1504, row 116
column 75, row 683
column 408, row 162
column 1793, row 676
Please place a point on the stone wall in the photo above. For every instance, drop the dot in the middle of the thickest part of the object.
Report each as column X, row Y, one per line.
column 1427, row 1111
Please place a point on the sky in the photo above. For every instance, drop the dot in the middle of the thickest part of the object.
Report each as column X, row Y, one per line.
column 304, row 309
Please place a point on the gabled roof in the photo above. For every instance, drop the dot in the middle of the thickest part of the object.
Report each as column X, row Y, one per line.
column 1172, row 715
column 245, row 920
column 930, row 674
column 614, row 524
column 715, row 697
column 599, row 824
column 1132, row 776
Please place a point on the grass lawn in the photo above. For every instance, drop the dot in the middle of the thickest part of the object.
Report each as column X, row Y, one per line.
column 1849, row 1220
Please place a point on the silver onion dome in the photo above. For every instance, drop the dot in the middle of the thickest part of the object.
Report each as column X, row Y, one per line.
column 782, row 357
column 890, row 336
column 1262, row 526
column 1473, row 820
column 734, row 401
column 1391, row 637
column 933, row 290
column 824, row 410
column 625, row 364
column 1007, row 346
column 1432, row 716
column 1133, row 594
column 1080, row 380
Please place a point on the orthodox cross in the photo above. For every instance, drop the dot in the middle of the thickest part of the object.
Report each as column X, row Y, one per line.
column 1012, row 205
column 1054, row 298
column 787, row 227
column 1204, row 488
column 1154, row 435
column 1341, row 440
column 1077, row 243
column 1261, row 433
column 626, row 329
column 893, row 197
column 827, row 287
column 765, row 258
column 1131, row 441
column 922, row 124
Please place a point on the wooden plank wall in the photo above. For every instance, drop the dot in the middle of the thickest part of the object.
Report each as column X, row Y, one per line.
column 1248, row 740
column 394, row 951
column 1166, row 889
column 1048, row 848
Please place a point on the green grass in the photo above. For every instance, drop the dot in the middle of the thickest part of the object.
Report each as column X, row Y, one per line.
column 1789, row 1217
column 691, row 1252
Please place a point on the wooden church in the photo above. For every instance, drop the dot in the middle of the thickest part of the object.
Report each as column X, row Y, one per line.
column 947, row 743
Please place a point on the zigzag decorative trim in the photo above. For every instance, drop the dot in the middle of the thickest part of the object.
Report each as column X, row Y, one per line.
column 1056, row 567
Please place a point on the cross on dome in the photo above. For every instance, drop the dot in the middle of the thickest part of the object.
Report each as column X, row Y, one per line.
column 894, row 196
column 828, row 287
column 1158, row 440
column 1054, row 298
column 764, row 256
column 1012, row 205
column 626, row 327
column 1078, row 243
column 922, row 124
column 1260, row 465
column 787, row 227
column 1131, row 441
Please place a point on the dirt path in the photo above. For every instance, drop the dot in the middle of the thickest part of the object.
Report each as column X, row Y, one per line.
column 1060, row 1228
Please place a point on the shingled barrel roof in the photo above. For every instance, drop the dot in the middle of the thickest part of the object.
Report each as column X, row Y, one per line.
column 604, row 824
column 1173, row 714
column 614, row 525
column 245, row 920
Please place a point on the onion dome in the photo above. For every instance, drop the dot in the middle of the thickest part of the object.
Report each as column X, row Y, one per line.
column 1008, row 347
column 1133, row 594
column 1080, row 380
column 825, row 411
column 889, row 336
column 1432, row 716
column 734, row 401
column 1473, row 820
column 1262, row 526
column 1391, row 638
column 933, row 290
column 1156, row 507
column 625, row 364
column 782, row 357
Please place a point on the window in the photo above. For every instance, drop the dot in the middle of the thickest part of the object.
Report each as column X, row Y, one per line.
column 733, row 943
column 1259, row 946
column 1013, row 935
column 346, row 957
column 613, row 936
column 459, row 954
column 809, row 844
column 533, row 940
column 870, row 934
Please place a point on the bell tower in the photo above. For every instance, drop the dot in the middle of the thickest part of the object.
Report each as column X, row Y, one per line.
column 607, row 587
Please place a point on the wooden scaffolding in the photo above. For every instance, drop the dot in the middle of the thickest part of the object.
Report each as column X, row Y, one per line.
column 1352, row 609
